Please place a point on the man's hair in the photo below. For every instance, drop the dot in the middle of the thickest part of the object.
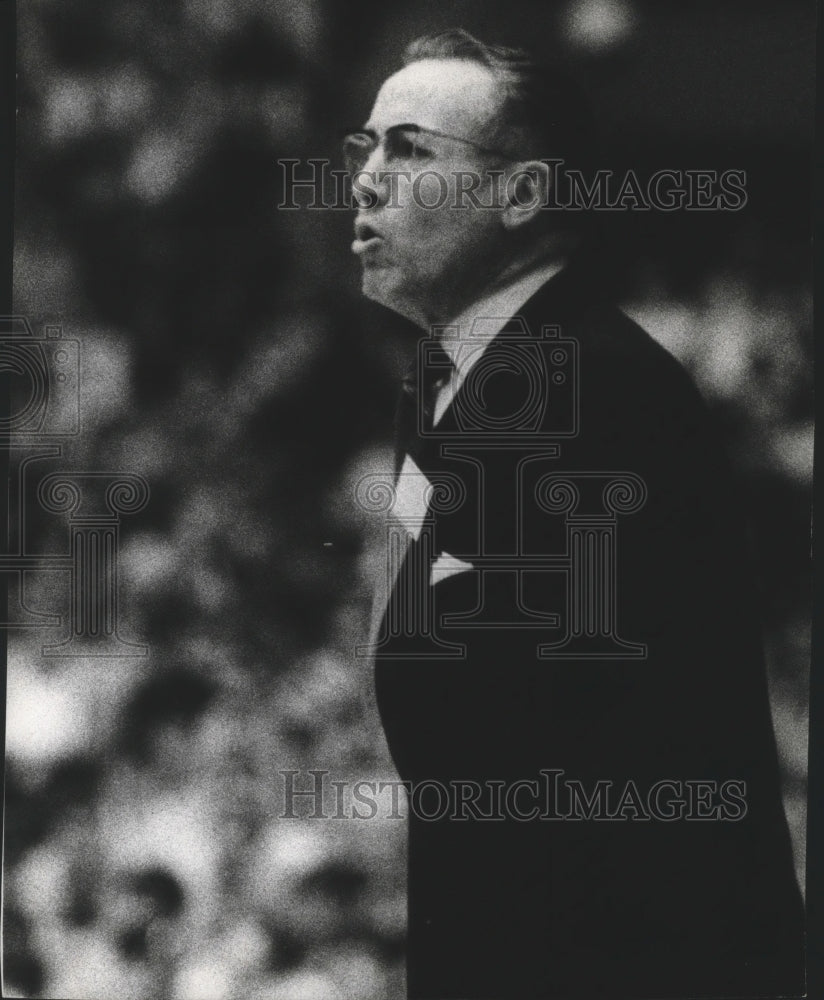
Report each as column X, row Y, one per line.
column 544, row 114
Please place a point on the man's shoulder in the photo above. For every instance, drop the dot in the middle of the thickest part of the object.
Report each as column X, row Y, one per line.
column 570, row 350
column 607, row 344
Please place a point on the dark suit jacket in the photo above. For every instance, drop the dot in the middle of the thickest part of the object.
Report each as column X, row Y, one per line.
column 590, row 907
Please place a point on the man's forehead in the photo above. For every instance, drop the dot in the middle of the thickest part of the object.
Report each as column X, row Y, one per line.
column 450, row 95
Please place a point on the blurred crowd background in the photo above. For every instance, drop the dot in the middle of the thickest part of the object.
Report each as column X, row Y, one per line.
column 226, row 357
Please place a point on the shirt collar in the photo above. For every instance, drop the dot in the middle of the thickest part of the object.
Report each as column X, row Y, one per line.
column 486, row 317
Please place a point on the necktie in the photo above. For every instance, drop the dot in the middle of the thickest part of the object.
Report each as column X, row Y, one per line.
column 416, row 402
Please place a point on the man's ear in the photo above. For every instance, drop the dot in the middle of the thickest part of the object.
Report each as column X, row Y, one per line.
column 527, row 191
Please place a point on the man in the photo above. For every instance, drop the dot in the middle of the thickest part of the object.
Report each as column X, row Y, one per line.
column 568, row 651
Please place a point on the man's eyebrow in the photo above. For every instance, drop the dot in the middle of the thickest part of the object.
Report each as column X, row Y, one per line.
column 368, row 130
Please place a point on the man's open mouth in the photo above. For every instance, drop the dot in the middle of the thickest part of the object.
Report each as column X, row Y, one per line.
column 366, row 238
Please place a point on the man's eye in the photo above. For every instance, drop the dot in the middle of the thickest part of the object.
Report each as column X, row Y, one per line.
column 409, row 148
column 403, row 147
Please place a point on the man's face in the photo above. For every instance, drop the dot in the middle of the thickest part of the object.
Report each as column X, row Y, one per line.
column 429, row 263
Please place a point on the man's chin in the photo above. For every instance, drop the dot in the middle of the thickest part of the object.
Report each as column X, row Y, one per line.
column 376, row 286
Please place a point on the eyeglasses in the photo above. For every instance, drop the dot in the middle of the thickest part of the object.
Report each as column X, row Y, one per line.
column 401, row 144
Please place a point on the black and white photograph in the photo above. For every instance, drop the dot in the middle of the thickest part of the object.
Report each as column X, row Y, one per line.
column 408, row 426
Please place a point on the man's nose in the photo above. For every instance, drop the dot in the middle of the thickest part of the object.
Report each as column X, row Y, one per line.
column 373, row 185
